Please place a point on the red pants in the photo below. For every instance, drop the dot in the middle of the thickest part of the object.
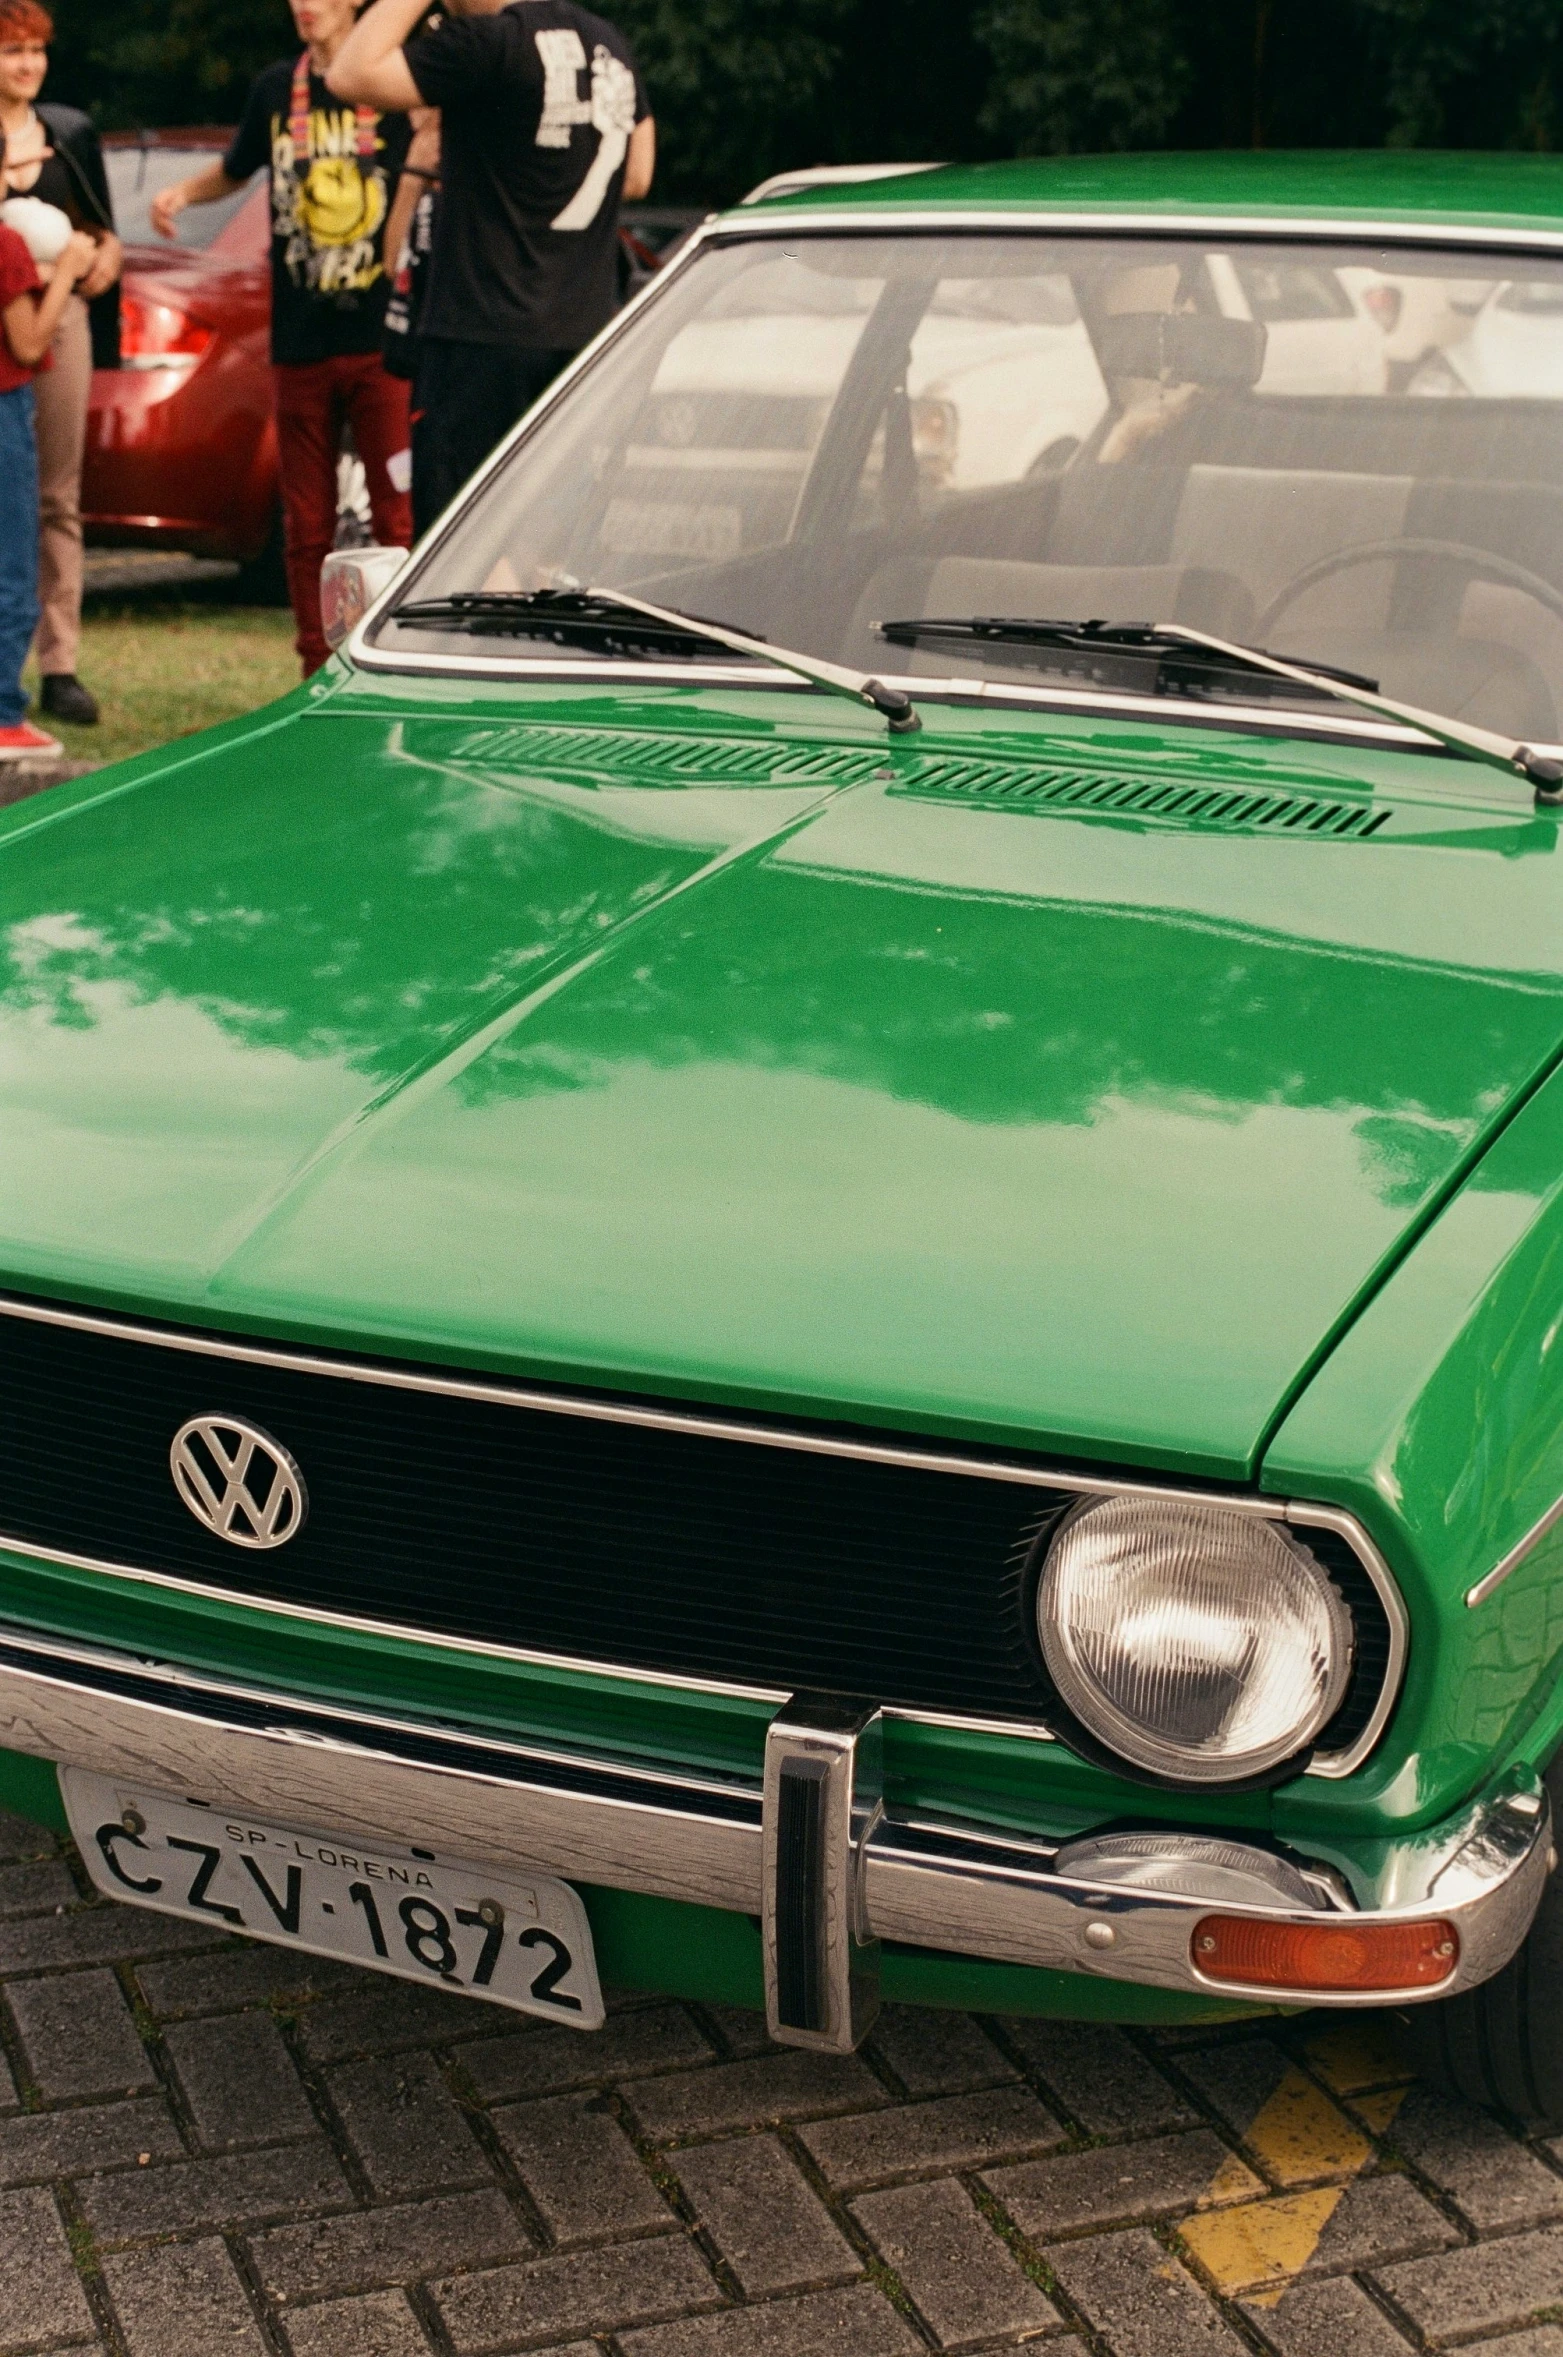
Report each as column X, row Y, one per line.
column 315, row 399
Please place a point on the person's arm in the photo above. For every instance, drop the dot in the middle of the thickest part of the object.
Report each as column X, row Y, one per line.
column 202, row 188
column 641, row 166
column 421, row 171
column 80, row 150
column 108, row 261
column 371, row 66
column 403, row 206
column 30, row 321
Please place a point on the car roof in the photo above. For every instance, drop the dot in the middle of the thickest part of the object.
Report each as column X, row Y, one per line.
column 1397, row 187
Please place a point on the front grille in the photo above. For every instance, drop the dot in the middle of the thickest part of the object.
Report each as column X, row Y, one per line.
column 660, row 1549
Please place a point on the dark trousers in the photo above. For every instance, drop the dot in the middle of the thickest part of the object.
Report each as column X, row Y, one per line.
column 466, row 398
column 315, row 399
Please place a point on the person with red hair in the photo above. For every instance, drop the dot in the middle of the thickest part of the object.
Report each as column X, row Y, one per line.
column 52, row 155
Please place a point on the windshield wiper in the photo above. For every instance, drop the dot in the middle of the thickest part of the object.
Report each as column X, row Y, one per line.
column 1544, row 771
column 1125, row 640
column 567, row 617
column 595, row 615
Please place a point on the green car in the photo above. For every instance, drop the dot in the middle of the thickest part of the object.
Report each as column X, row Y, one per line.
column 809, row 1247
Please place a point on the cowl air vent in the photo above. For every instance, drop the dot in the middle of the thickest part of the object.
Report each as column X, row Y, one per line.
column 668, row 760
column 1228, row 809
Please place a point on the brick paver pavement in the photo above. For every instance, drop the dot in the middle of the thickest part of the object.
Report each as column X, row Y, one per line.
column 213, row 2150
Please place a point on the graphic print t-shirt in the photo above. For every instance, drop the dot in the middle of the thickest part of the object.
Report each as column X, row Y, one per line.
column 328, row 211
column 537, row 106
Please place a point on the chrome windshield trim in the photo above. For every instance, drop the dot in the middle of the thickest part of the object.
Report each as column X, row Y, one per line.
column 359, row 654
column 726, row 228
column 556, row 667
column 1034, row 218
column 513, row 1395
column 1515, row 1557
column 1268, row 719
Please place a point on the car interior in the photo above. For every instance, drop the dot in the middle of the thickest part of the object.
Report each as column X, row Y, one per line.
column 1414, row 541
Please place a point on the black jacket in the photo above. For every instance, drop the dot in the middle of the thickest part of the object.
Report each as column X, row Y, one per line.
column 77, row 145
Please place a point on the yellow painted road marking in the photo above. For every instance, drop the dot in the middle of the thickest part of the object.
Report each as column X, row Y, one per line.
column 1298, row 2134
column 1234, row 2181
column 1355, row 2054
column 1379, row 2108
column 1263, row 2242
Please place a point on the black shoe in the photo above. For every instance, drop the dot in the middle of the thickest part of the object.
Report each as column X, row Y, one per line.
column 64, row 698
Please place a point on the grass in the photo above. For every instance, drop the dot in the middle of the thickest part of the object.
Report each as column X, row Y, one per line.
column 165, row 666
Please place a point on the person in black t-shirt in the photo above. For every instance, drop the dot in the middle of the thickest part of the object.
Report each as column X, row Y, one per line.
column 333, row 171
column 545, row 127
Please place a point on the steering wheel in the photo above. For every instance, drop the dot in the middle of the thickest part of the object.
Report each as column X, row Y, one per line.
column 1369, row 552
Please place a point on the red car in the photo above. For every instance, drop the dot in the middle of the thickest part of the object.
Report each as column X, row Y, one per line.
column 181, row 444
column 181, row 447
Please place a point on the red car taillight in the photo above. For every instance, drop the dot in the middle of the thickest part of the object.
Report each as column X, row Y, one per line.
column 155, row 334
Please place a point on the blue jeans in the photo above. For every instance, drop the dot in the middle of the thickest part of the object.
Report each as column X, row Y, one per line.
column 18, row 547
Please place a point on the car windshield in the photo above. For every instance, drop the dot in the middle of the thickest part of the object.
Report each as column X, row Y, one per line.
column 1352, row 456
column 138, row 174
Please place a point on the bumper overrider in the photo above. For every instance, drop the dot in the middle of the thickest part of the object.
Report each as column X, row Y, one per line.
column 811, row 1849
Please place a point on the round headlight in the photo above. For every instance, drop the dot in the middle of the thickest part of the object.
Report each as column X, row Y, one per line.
column 1195, row 1641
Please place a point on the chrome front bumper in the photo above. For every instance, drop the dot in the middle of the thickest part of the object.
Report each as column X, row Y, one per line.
column 810, row 1850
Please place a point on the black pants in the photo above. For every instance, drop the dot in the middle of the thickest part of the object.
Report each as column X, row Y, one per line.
column 466, row 398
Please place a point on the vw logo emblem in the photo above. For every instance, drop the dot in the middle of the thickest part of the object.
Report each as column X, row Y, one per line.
column 238, row 1481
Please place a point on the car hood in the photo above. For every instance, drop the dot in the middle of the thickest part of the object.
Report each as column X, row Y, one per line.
column 963, row 1094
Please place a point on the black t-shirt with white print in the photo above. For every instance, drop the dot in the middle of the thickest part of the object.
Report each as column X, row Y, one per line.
column 537, row 103
column 331, row 189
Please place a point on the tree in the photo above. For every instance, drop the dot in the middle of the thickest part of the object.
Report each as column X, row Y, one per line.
column 149, row 62
column 746, row 87
column 1079, row 75
column 740, row 87
column 1072, row 75
column 1469, row 73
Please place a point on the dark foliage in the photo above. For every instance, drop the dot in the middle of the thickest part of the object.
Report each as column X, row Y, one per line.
column 745, row 87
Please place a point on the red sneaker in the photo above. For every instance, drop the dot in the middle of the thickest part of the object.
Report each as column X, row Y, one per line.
column 23, row 742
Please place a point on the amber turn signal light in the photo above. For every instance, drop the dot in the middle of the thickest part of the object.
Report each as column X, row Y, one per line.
column 1334, row 1954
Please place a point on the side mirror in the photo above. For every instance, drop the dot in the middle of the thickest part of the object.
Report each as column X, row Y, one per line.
column 350, row 581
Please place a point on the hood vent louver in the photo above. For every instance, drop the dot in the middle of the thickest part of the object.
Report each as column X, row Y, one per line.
column 646, row 760
column 643, row 759
column 1226, row 808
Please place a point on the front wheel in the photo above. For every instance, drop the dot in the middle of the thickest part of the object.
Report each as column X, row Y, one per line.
column 1501, row 2045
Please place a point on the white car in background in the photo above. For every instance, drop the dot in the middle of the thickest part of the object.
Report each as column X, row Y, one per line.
column 1002, row 384
column 734, row 414
column 1321, row 336
column 1513, row 346
column 1419, row 313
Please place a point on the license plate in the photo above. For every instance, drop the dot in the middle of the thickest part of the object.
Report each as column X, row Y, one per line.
column 515, row 1939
